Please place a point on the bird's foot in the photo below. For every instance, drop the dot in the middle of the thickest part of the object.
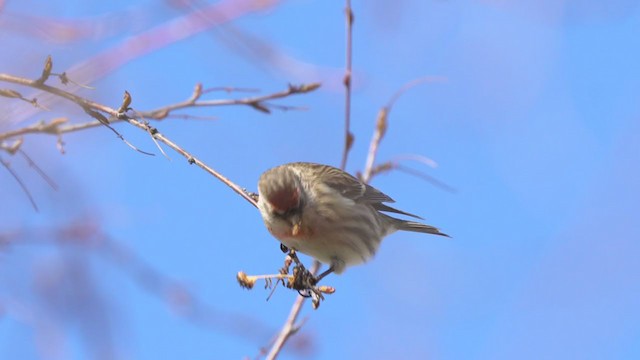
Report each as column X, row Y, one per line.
column 305, row 282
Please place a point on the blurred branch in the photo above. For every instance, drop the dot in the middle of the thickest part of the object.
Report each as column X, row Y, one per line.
column 66, row 31
column 395, row 165
column 150, row 40
column 40, row 172
column 86, row 235
column 261, row 52
column 24, row 188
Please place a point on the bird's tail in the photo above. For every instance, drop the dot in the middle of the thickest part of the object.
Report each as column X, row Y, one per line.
column 419, row 227
column 414, row 226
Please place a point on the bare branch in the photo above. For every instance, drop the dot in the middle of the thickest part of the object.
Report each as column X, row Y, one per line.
column 46, row 71
column 230, row 89
column 382, row 123
column 257, row 102
column 378, row 134
column 348, row 136
column 290, row 328
column 95, row 109
column 55, row 126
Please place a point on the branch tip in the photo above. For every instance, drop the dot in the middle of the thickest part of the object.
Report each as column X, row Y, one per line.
column 126, row 101
column 46, row 71
column 381, row 122
column 197, row 92
column 245, row 281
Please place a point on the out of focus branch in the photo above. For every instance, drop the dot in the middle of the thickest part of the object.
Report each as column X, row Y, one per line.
column 17, row 178
column 172, row 31
column 86, row 235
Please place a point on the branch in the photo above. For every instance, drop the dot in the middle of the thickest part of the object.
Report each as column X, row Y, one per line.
column 289, row 328
column 348, row 136
column 256, row 102
column 382, row 123
column 378, row 134
column 58, row 126
column 395, row 165
column 96, row 110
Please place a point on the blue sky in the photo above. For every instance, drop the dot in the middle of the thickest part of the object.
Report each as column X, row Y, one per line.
column 536, row 127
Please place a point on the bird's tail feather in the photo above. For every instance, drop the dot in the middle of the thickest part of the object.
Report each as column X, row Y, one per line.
column 418, row 227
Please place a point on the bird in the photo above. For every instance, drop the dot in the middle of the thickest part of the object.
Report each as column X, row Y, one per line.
column 328, row 214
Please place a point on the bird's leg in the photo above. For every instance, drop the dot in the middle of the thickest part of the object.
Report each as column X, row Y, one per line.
column 303, row 279
column 292, row 254
column 324, row 273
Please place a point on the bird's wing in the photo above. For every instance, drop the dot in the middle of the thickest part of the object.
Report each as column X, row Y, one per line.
column 349, row 186
column 383, row 207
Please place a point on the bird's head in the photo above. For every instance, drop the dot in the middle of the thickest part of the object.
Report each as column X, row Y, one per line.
column 281, row 195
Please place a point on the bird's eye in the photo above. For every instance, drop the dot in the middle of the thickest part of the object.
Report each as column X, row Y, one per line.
column 286, row 213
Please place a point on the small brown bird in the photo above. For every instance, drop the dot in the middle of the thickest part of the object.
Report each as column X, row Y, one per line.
column 328, row 214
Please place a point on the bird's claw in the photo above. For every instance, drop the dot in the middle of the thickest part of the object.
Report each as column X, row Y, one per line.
column 306, row 284
column 300, row 279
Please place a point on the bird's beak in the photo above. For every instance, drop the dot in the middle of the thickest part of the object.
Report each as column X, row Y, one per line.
column 297, row 227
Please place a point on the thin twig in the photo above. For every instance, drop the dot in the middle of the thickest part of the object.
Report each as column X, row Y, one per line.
column 193, row 160
column 40, row 172
column 414, row 83
column 426, row 177
column 230, row 89
column 254, row 101
column 88, row 106
column 395, row 165
column 19, row 181
column 348, row 136
column 58, row 126
column 378, row 134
